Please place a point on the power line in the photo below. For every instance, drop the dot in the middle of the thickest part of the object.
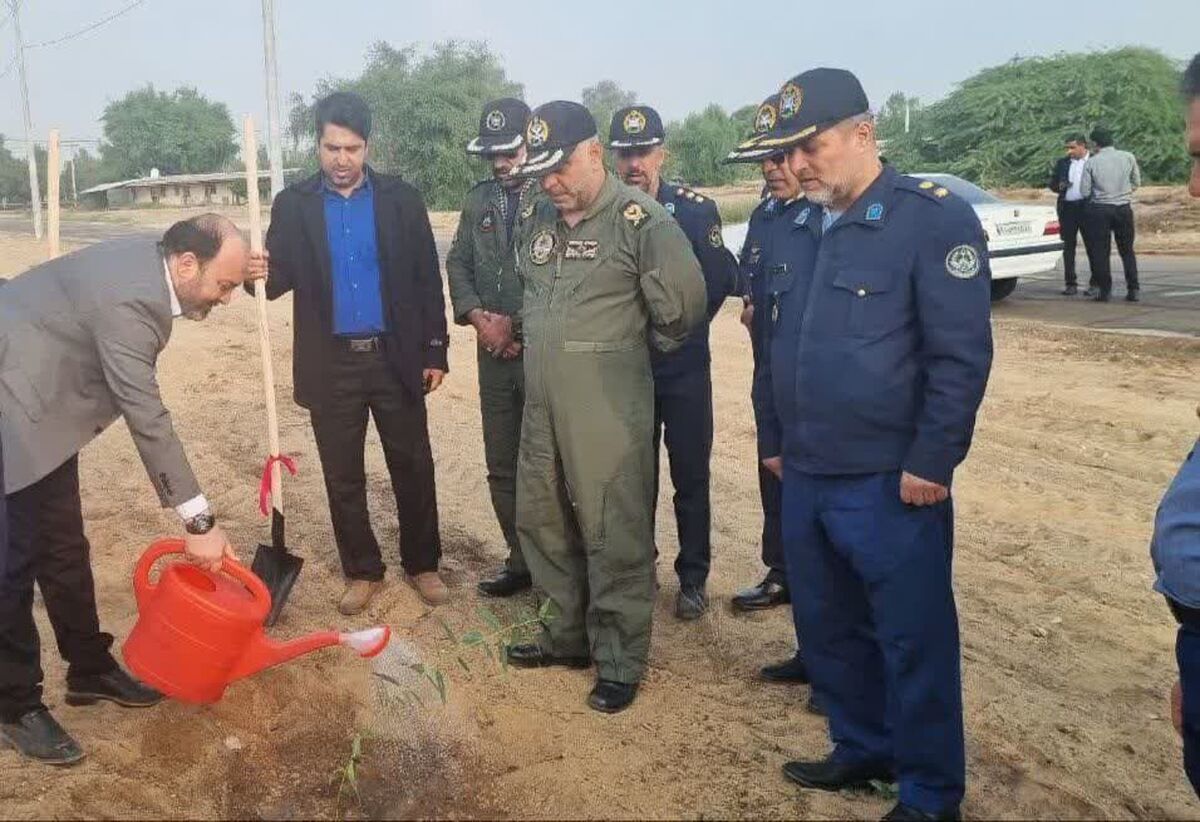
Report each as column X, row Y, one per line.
column 90, row 27
column 11, row 65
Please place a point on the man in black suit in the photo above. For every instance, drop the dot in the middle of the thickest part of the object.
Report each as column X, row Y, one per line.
column 356, row 249
column 1064, row 182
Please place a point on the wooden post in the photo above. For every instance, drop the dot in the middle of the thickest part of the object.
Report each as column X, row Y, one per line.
column 250, row 157
column 53, row 176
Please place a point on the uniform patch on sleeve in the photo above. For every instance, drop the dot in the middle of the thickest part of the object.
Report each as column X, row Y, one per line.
column 487, row 223
column 714, row 237
column 963, row 262
column 635, row 214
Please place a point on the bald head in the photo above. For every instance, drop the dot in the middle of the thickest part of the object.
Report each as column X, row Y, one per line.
column 207, row 258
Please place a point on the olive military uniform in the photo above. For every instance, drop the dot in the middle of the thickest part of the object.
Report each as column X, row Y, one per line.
column 596, row 297
column 481, row 272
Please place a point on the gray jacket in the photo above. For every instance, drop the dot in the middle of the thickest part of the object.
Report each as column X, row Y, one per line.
column 79, row 340
column 1110, row 177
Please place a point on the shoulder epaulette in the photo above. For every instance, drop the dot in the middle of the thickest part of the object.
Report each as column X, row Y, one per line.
column 927, row 188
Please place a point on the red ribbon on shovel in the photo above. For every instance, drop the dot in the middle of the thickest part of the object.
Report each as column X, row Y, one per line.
column 264, row 488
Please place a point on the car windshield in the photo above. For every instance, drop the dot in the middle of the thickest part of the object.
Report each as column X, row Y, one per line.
column 970, row 192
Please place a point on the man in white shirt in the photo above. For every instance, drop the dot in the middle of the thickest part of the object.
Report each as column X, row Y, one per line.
column 1068, row 172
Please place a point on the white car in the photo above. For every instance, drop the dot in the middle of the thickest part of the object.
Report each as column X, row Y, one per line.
column 1022, row 239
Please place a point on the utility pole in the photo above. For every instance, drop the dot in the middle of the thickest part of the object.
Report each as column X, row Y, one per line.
column 274, row 143
column 35, row 192
column 74, row 188
column 906, row 115
column 53, row 180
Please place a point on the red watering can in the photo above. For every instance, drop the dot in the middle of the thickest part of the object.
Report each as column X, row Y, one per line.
column 197, row 631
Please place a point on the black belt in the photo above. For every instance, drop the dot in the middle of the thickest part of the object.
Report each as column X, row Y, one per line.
column 1185, row 615
column 361, row 345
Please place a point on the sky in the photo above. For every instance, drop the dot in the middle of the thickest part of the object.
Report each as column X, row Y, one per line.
column 677, row 56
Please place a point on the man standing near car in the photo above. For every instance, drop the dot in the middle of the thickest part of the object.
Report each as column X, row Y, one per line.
column 1109, row 180
column 1065, row 182
column 356, row 248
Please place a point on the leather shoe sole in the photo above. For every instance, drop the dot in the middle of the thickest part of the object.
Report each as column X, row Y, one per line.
column 523, row 658
column 851, row 777
column 78, row 698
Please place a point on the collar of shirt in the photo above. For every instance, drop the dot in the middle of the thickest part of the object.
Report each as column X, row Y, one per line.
column 363, row 188
column 176, row 308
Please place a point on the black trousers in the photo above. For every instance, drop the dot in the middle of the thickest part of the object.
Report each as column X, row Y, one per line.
column 771, row 491
column 46, row 543
column 683, row 417
column 362, row 385
column 1071, row 222
column 1103, row 223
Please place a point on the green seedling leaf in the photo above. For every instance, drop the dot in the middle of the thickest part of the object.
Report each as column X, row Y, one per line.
column 488, row 616
column 447, row 630
column 472, row 638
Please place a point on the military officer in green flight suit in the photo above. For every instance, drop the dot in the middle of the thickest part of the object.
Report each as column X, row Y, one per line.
column 607, row 274
column 486, row 294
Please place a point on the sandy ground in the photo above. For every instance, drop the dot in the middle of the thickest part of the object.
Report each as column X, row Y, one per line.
column 1067, row 654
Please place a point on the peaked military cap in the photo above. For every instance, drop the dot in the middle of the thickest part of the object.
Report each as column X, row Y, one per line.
column 765, row 118
column 501, row 127
column 553, row 131
column 811, row 102
column 635, row 127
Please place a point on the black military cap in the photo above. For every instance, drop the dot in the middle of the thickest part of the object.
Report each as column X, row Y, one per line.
column 765, row 119
column 501, row 127
column 635, row 127
column 553, row 131
column 811, row 102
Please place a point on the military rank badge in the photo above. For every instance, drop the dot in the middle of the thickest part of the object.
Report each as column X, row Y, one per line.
column 875, row 212
column 541, row 247
column 963, row 262
column 581, row 249
column 527, row 212
column 714, row 237
column 635, row 214
column 487, row 223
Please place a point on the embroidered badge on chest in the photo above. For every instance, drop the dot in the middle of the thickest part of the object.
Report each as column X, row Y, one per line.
column 714, row 237
column 527, row 212
column 581, row 249
column 487, row 223
column 541, row 247
column 963, row 262
column 635, row 214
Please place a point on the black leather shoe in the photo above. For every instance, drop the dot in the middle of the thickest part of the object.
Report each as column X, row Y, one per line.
column 907, row 813
column 531, row 655
column 791, row 671
column 1090, row 291
column 1070, row 291
column 690, row 602
column 38, row 736
column 1102, row 296
column 114, row 686
column 610, row 697
column 1131, row 296
column 835, row 775
column 767, row 594
column 505, row 584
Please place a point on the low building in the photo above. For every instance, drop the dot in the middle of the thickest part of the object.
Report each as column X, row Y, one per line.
column 181, row 190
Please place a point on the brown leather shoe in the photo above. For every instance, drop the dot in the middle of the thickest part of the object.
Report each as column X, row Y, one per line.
column 358, row 595
column 430, row 587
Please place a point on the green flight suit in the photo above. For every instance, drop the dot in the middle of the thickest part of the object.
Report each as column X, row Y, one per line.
column 481, row 272
column 596, row 295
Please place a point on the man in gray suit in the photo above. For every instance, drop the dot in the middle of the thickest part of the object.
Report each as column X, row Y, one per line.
column 79, row 340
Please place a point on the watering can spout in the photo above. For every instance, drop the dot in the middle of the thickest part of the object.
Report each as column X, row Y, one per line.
column 264, row 652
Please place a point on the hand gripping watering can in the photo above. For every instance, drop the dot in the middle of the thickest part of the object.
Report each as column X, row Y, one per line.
column 197, row 631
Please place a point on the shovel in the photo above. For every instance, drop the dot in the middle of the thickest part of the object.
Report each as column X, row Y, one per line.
column 274, row 564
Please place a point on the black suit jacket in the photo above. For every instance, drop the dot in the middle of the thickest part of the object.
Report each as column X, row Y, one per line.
column 412, row 285
column 1060, row 179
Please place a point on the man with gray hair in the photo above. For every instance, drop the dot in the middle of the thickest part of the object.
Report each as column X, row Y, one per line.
column 79, row 340
column 1109, row 180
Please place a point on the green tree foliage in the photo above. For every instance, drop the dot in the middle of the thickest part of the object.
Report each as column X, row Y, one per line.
column 602, row 100
column 1006, row 125
column 180, row 132
column 14, row 176
column 425, row 109
column 697, row 146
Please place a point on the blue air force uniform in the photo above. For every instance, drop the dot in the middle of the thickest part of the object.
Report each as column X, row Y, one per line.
column 877, row 353
column 683, row 415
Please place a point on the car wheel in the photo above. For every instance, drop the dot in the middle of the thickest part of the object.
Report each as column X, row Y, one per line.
column 1002, row 288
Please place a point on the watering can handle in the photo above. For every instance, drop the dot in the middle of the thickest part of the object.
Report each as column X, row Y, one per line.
column 142, row 587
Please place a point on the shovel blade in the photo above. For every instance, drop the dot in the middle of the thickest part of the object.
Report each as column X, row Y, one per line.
column 278, row 569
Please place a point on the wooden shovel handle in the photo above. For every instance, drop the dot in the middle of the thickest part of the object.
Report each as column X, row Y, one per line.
column 250, row 157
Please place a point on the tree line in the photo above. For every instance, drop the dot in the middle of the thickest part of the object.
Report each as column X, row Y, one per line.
column 1004, row 126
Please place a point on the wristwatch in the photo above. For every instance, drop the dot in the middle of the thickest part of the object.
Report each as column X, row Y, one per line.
column 200, row 524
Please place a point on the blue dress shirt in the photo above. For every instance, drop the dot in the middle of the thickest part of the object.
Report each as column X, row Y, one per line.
column 354, row 256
